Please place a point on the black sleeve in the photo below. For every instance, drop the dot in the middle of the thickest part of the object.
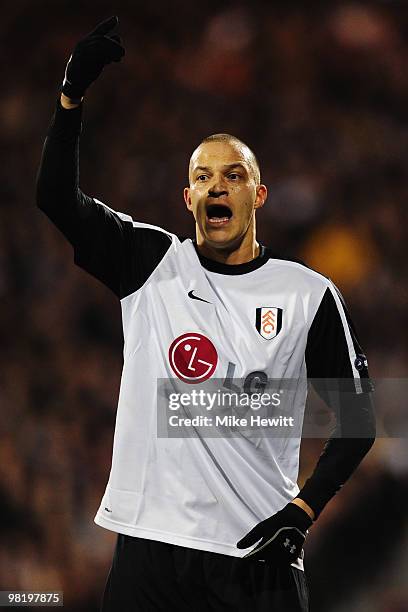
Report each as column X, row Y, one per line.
column 107, row 244
column 334, row 353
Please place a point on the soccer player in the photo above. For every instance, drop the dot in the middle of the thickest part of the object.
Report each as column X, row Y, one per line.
column 205, row 523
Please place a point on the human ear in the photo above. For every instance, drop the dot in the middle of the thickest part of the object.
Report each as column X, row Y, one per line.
column 187, row 199
column 261, row 195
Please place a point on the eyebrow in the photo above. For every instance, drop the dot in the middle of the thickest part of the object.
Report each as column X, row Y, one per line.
column 227, row 167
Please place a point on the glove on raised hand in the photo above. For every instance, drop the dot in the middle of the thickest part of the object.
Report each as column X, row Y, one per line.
column 283, row 535
column 90, row 56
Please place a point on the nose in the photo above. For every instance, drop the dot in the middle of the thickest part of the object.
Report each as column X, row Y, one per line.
column 216, row 192
column 217, row 187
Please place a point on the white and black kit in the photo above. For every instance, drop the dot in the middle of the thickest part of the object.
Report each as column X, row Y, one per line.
column 273, row 315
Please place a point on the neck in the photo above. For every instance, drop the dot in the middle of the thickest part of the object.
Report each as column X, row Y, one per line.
column 247, row 250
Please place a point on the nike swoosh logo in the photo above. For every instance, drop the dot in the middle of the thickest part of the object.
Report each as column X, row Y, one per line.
column 195, row 297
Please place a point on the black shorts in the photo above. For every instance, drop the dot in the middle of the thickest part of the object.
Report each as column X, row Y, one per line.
column 148, row 576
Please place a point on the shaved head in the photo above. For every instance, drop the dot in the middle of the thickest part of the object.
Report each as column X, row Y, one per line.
column 235, row 142
column 224, row 194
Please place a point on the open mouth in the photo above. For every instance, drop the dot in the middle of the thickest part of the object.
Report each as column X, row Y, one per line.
column 218, row 214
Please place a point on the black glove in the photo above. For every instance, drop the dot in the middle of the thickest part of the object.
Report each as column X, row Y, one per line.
column 283, row 535
column 90, row 56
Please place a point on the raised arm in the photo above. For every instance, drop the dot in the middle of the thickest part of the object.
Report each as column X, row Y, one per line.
column 58, row 192
column 109, row 245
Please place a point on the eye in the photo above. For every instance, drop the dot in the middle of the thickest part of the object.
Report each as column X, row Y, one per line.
column 234, row 176
column 201, row 177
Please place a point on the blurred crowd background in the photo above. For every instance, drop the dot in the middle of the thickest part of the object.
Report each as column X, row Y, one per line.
column 321, row 95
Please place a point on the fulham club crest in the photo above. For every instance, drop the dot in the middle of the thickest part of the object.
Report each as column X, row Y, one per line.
column 268, row 321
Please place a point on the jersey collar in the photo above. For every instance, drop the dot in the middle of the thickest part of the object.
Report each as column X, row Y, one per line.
column 222, row 268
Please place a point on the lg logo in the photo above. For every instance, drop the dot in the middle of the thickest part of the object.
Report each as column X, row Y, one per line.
column 194, row 358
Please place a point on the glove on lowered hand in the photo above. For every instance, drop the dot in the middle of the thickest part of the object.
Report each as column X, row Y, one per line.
column 283, row 535
column 90, row 56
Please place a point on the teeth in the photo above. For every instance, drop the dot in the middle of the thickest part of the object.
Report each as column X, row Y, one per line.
column 218, row 219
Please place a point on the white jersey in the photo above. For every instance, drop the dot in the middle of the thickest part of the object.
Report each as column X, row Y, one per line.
column 207, row 493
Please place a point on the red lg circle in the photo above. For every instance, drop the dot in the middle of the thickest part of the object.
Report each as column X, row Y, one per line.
column 193, row 357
